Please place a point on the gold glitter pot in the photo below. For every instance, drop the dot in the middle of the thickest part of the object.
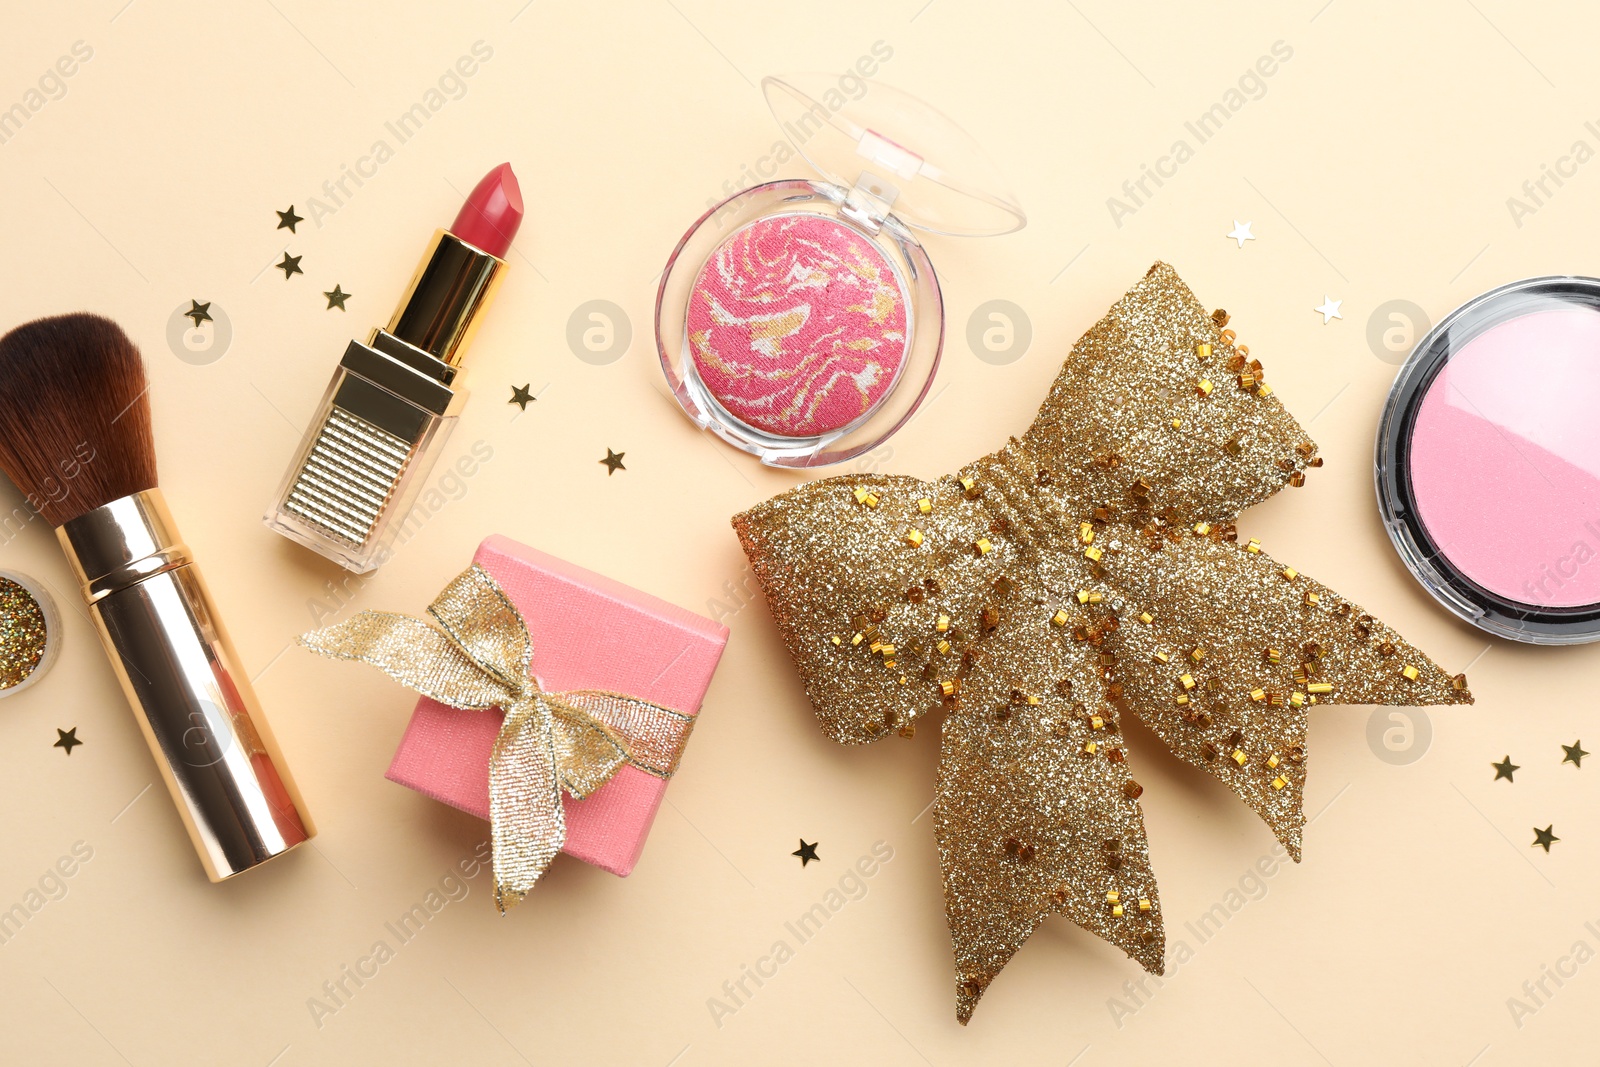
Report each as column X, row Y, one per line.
column 1032, row 817
column 30, row 632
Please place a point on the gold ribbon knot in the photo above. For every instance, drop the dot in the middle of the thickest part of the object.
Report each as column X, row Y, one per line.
column 478, row 659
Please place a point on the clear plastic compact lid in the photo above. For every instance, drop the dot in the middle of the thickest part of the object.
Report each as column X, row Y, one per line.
column 902, row 152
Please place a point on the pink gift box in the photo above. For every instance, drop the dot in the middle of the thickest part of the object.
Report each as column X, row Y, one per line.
column 589, row 632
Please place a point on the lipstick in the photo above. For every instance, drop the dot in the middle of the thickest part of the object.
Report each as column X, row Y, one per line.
column 394, row 399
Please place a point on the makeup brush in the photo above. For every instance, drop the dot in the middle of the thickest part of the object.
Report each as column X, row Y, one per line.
column 75, row 438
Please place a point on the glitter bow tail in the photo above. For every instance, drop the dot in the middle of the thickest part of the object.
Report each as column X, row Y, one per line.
column 478, row 659
column 1086, row 570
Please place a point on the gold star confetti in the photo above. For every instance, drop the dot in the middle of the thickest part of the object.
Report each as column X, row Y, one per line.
column 1036, row 810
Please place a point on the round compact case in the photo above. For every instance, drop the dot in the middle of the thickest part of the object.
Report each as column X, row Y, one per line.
column 1488, row 461
column 801, row 320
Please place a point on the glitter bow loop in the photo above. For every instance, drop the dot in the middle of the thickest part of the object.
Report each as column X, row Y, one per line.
column 1088, row 570
column 476, row 659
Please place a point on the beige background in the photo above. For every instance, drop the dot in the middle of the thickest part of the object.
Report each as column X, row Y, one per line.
column 1375, row 166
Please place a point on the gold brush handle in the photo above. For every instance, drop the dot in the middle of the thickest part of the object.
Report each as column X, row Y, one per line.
column 181, row 675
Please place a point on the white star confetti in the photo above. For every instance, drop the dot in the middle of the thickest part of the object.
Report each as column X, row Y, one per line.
column 1241, row 232
column 1329, row 309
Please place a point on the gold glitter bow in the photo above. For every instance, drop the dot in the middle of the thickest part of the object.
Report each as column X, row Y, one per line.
column 477, row 660
column 1087, row 570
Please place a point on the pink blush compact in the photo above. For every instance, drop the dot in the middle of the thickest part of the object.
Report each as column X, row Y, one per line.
column 801, row 320
column 1489, row 461
column 797, row 325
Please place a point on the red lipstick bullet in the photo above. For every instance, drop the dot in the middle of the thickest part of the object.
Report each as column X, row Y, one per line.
column 394, row 399
column 492, row 213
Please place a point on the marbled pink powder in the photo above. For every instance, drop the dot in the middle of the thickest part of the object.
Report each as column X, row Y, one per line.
column 797, row 325
column 1505, row 459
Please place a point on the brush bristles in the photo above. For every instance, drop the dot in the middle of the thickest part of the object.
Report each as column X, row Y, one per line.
column 74, row 415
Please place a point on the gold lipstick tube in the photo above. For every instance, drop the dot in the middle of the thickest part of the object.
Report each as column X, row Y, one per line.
column 179, row 671
column 386, row 414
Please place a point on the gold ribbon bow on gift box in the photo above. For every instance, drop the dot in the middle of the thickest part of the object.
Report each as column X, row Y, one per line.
column 478, row 659
column 1087, row 570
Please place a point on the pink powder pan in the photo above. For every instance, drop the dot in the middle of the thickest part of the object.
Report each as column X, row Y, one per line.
column 1488, row 461
column 797, row 325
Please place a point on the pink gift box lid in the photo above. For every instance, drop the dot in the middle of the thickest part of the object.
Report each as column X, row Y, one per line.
column 589, row 632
